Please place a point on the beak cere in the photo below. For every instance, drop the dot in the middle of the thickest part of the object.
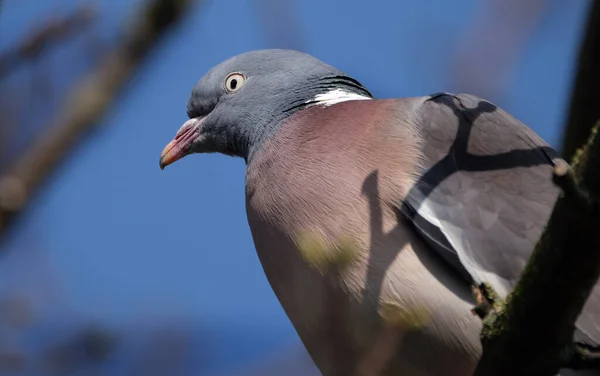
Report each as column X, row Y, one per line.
column 182, row 143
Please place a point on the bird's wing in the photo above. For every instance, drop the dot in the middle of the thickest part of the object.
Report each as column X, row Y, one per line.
column 484, row 193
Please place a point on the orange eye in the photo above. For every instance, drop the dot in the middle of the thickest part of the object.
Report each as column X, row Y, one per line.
column 234, row 82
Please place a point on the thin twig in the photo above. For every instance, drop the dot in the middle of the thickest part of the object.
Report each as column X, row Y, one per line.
column 50, row 33
column 87, row 103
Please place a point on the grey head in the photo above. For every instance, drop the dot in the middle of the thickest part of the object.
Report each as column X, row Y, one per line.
column 243, row 100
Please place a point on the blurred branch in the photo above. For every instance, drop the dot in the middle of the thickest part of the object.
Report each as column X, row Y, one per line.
column 584, row 110
column 87, row 103
column 38, row 41
column 485, row 60
column 12, row 361
column 280, row 23
column 91, row 345
column 531, row 332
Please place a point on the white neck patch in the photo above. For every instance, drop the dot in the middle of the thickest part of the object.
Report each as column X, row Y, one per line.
column 336, row 96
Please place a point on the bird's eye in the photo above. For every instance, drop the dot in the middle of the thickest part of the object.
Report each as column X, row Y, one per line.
column 234, row 82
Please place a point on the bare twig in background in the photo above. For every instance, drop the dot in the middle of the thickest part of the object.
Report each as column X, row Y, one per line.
column 486, row 57
column 7, row 127
column 280, row 23
column 165, row 352
column 584, row 110
column 532, row 333
column 33, row 85
column 38, row 41
column 90, row 345
column 87, row 103
column 11, row 361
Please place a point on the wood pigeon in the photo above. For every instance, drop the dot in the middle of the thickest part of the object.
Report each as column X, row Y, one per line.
column 372, row 218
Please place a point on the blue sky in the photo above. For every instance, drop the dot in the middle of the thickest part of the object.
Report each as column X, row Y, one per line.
column 129, row 244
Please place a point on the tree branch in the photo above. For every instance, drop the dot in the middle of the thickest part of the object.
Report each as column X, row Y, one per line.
column 585, row 357
column 280, row 23
column 85, row 106
column 584, row 109
column 38, row 41
column 532, row 332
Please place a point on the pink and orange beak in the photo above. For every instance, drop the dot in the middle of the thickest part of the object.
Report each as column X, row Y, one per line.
column 183, row 142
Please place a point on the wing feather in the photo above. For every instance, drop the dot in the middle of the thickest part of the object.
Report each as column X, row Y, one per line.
column 484, row 193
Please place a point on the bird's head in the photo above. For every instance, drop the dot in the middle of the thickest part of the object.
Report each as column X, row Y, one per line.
column 241, row 101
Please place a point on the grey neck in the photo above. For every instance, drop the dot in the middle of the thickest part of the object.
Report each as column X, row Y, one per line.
column 245, row 144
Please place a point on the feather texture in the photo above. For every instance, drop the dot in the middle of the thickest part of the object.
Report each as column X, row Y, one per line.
column 472, row 181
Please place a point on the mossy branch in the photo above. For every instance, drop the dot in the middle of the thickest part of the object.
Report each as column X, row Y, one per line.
column 531, row 333
column 583, row 108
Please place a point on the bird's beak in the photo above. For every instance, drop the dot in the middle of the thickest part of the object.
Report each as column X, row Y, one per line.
column 182, row 144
